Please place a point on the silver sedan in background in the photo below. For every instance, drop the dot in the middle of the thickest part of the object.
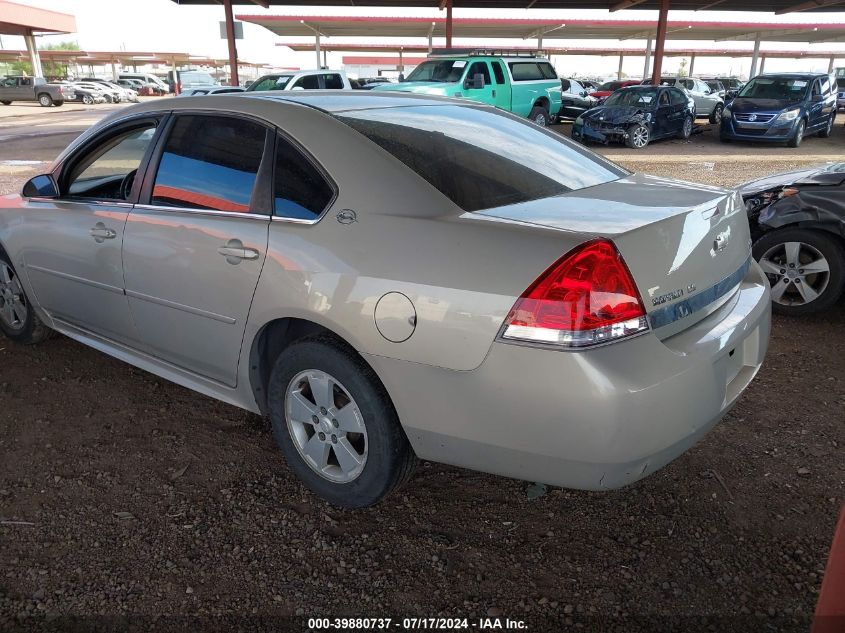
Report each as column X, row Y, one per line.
column 391, row 277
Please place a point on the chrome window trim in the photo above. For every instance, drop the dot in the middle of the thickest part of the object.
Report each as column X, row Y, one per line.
column 247, row 215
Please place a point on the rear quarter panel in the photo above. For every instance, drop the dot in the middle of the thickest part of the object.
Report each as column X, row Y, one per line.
column 526, row 94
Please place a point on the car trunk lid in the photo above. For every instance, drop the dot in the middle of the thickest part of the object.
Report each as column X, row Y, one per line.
column 686, row 245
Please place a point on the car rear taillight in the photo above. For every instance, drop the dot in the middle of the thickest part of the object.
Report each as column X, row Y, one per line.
column 585, row 298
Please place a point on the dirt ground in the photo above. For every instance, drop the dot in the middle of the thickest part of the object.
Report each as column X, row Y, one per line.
column 127, row 501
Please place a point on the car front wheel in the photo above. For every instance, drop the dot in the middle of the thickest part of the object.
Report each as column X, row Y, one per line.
column 805, row 269
column 336, row 425
column 18, row 320
column 796, row 139
column 716, row 115
column 638, row 136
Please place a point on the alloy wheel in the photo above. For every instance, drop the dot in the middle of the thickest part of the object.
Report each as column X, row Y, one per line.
column 45, row 100
column 687, row 127
column 797, row 272
column 540, row 119
column 13, row 308
column 326, row 426
column 640, row 136
column 717, row 114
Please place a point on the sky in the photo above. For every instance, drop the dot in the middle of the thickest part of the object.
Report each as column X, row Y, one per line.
column 163, row 26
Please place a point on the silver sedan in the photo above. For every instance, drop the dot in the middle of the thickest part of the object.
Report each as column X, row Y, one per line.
column 392, row 277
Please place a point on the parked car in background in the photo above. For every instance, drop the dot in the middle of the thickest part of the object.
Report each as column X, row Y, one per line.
column 528, row 86
column 609, row 87
column 88, row 93
column 34, row 89
column 589, row 85
column 716, row 86
column 797, row 223
column 190, row 80
column 574, row 99
column 840, row 93
column 781, row 108
column 211, row 90
column 115, row 93
column 505, row 301
column 637, row 115
column 320, row 79
column 732, row 86
column 368, row 83
column 147, row 78
column 707, row 103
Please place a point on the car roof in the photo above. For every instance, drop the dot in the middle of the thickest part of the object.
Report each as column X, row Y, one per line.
column 332, row 101
column 794, row 75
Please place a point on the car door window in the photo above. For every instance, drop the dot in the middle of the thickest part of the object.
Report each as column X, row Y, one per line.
column 676, row 97
column 300, row 192
column 333, row 81
column 308, row 82
column 816, row 90
column 499, row 73
column 825, row 85
column 689, row 84
column 479, row 68
column 575, row 88
column 564, row 85
column 210, row 162
column 106, row 171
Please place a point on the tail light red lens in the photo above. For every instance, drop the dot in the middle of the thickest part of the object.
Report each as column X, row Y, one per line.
column 585, row 298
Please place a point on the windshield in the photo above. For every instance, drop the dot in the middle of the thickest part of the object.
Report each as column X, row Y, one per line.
column 444, row 70
column 610, row 85
column 637, row 97
column 778, row 88
column 271, row 82
column 481, row 158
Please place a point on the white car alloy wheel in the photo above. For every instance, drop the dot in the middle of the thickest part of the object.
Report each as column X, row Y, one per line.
column 326, row 426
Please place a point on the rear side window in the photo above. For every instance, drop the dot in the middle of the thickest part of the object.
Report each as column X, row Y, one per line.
column 481, row 158
column 210, row 162
column 300, row 191
column 308, row 82
column 564, row 85
column 525, row 71
column 333, row 81
column 548, row 70
column 499, row 73
column 676, row 97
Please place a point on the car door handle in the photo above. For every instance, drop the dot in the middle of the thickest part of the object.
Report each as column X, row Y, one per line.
column 234, row 251
column 101, row 233
column 494, row 94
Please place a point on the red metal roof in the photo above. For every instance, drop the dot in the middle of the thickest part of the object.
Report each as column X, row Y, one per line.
column 572, row 50
column 529, row 28
column 22, row 19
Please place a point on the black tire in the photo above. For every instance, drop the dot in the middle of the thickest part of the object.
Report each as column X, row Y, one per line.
column 390, row 460
column 539, row 115
column 686, row 130
column 59, row 104
column 45, row 100
column 31, row 330
column 636, row 132
column 825, row 133
column 725, row 139
column 6, row 102
column 828, row 246
column 716, row 115
column 796, row 139
column 87, row 99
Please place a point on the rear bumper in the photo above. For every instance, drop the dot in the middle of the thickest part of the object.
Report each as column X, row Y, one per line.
column 593, row 420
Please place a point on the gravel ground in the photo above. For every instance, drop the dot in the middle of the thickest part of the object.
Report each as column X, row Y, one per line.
column 127, row 502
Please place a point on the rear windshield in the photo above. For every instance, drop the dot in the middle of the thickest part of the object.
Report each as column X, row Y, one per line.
column 270, row 82
column 480, row 158
column 611, row 85
column 779, row 88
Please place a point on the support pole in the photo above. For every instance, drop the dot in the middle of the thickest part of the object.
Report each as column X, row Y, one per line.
column 401, row 68
column 34, row 57
column 325, row 58
column 830, row 65
column 448, row 23
column 431, row 36
column 539, row 42
column 647, row 65
column 175, row 76
column 234, row 80
column 317, row 46
column 114, row 71
column 619, row 72
column 662, row 23
column 762, row 64
column 755, row 56
column 691, row 64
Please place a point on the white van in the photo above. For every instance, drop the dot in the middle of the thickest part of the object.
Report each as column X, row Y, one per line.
column 147, row 78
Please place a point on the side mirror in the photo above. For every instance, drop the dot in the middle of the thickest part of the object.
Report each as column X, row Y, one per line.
column 43, row 186
column 817, row 98
column 583, row 93
column 476, row 83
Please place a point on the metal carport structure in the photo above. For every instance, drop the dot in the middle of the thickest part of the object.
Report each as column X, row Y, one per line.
column 662, row 6
column 28, row 21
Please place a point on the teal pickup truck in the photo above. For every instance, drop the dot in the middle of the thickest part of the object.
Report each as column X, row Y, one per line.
column 526, row 86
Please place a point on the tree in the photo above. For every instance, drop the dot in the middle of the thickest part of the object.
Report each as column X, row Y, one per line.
column 51, row 69
column 682, row 69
